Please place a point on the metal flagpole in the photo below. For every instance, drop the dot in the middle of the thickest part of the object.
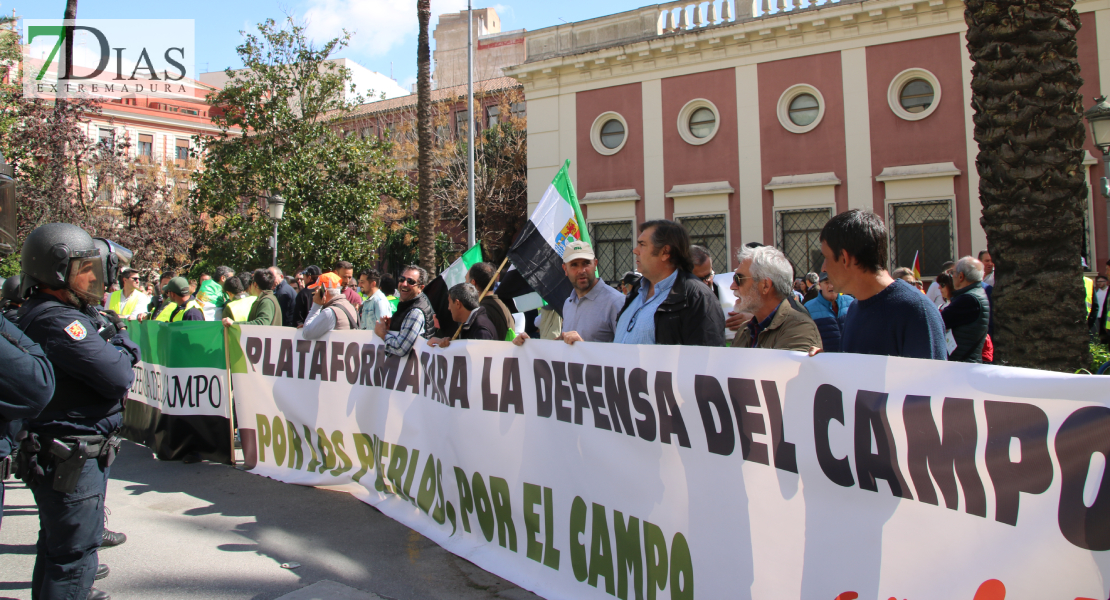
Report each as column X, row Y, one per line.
column 470, row 125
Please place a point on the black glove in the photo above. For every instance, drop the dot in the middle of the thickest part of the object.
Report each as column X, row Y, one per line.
column 114, row 319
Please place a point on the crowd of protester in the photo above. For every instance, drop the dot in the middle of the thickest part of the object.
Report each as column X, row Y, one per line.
column 854, row 304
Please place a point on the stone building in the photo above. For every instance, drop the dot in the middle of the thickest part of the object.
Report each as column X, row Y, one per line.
column 759, row 121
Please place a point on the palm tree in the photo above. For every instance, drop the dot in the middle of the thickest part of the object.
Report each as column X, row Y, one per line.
column 425, row 209
column 1028, row 123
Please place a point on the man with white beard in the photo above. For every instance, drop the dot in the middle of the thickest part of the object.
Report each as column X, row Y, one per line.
column 763, row 283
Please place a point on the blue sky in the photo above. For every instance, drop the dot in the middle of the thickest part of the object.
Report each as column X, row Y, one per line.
column 384, row 30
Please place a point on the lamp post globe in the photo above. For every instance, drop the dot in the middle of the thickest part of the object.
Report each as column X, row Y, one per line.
column 1098, row 118
column 276, row 205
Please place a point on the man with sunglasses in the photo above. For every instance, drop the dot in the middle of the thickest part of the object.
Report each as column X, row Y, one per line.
column 413, row 317
column 762, row 282
column 130, row 302
column 703, row 266
column 671, row 305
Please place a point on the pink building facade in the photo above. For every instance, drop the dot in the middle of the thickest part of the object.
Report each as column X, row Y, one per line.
column 750, row 122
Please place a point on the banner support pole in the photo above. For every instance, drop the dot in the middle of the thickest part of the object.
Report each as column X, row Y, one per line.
column 230, row 395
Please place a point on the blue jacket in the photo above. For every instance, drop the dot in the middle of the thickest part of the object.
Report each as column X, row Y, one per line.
column 26, row 381
column 91, row 375
column 830, row 326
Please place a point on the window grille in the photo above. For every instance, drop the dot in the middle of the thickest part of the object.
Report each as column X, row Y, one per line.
column 711, row 232
column 612, row 242
column 798, row 235
column 922, row 228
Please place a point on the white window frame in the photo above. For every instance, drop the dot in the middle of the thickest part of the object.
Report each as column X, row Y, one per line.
column 595, row 133
column 788, row 96
column 894, row 93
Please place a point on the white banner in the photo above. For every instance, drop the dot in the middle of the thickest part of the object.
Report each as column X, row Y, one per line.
column 199, row 391
column 601, row 470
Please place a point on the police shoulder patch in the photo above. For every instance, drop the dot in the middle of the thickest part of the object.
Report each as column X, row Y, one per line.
column 76, row 330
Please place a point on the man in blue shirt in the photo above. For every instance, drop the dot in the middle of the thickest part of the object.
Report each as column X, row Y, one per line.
column 890, row 317
column 671, row 305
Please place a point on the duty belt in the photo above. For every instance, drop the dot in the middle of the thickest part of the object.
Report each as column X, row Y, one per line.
column 68, row 454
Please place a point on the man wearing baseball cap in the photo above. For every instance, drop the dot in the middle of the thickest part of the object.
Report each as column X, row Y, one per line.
column 590, row 313
column 330, row 308
column 180, row 305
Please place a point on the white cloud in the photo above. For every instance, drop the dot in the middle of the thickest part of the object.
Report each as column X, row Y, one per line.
column 377, row 26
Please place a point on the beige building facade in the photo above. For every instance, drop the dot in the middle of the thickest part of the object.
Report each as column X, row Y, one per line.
column 493, row 49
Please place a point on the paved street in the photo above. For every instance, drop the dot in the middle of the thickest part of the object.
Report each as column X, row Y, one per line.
column 211, row 531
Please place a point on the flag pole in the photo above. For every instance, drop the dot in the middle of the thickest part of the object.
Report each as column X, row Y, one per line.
column 484, row 292
column 470, row 125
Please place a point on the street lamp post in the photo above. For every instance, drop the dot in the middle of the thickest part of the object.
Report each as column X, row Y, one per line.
column 276, row 206
column 1098, row 117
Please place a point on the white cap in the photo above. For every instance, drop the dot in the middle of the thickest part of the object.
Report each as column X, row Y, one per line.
column 577, row 249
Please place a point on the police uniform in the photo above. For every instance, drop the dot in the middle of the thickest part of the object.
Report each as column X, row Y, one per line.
column 26, row 385
column 66, row 451
column 92, row 377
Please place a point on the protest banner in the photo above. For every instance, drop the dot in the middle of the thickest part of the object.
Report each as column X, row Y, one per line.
column 599, row 470
column 180, row 401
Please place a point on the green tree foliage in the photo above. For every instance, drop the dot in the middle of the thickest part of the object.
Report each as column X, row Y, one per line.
column 63, row 175
column 283, row 102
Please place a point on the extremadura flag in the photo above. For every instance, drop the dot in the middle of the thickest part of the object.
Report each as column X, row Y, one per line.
column 538, row 252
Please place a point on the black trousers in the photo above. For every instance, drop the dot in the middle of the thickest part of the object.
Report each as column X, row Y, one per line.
column 70, row 530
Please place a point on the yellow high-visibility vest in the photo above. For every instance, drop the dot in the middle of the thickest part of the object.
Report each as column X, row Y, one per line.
column 114, row 303
column 165, row 315
column 239, row 309
column 167, row 310
column 180, row 314
column 1089, row 284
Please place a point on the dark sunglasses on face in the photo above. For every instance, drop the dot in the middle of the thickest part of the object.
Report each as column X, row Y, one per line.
column 739, row 279
column 409, row 280
column 708, row 278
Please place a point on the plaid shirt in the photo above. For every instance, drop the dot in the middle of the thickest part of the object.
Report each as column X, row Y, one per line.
column 399, row 343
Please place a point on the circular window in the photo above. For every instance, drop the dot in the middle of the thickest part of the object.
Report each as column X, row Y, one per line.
column 698, row 121
column 612, row 134
column 702, row 123
column 609, row 133
column 801, row 108
column 914, row 94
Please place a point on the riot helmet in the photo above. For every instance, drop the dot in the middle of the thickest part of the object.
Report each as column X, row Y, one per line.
column 116, row 259
column 63, row 256
column 11, row 290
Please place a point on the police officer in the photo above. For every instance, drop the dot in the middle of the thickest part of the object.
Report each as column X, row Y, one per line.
column 26, row 385
column 66, row 455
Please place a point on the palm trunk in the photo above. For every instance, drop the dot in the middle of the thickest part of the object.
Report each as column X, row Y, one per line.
column 1028, row 123
column 425, row 208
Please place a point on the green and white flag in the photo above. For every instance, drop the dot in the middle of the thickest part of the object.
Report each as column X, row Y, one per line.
column 538, row 251
column 456, row 273
column 180, row 401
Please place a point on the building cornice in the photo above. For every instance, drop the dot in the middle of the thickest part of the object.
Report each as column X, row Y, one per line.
column 946, row 169
column 832, row 24
column 786, row 182
column 152, row 120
